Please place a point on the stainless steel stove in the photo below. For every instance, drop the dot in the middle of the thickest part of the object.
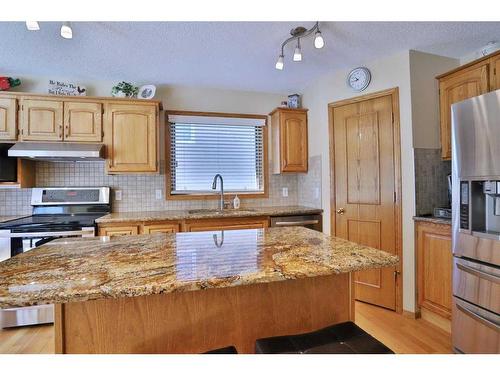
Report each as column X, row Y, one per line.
column 57, row 213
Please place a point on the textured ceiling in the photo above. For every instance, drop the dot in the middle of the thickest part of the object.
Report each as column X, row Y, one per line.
column 237, row 55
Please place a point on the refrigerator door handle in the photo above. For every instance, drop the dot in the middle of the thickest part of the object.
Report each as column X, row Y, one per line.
column 477, row 317
column 478, row 272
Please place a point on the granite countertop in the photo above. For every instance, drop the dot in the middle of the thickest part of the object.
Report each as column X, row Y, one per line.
column 432, row 219
column 3, row 219
column 81, row 269
column 118, row 217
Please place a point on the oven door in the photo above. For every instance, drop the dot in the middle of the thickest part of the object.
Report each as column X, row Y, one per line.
column 12, row 244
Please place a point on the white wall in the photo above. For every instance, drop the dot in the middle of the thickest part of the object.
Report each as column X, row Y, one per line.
column 393, row 71
column 424, row 67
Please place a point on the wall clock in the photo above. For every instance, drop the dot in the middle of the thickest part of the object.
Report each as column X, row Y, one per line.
column 359, row 78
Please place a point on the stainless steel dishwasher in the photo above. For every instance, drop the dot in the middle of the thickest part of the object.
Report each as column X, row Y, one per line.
column 309, row 221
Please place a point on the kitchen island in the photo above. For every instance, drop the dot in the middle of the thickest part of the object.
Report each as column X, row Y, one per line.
column 188, row 292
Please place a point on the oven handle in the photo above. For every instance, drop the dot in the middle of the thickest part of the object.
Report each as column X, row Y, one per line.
column 477, row 272
column 87, row 232
column 477, row 317
column 294, row 223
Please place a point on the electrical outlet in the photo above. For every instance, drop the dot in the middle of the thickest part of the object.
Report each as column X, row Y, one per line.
column 158, row 194
column 285, row 192
column 118, row 195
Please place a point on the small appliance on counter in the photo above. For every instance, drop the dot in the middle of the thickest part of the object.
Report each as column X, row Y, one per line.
column 57, row 213
column 442, row 213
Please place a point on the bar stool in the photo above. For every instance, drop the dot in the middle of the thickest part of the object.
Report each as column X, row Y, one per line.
column 343, row 338
column 225, row 350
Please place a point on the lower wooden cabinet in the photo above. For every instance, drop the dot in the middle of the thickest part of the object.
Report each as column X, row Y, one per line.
column 143, row 227
column 122, row 230
column 226, row 224
column 434, row 268
column 161, row 228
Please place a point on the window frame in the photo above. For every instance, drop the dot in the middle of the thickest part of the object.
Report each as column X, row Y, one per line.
column 205, row 196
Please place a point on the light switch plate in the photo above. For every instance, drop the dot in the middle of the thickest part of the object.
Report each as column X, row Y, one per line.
column 158, row 194
column 118, row 195
column 285, row 192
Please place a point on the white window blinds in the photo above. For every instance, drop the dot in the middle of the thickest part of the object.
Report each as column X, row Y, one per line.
column 202, row 146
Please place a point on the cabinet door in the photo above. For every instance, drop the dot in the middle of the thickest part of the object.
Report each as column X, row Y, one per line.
column 434, row 268
column 42, row 120
column 82, row 122
column 124, row 230
column 8, row 112
column 293, row 142
column 130, row 136
column 495, row 73
column 226, row 224
column 160, row 228
column 454, row 88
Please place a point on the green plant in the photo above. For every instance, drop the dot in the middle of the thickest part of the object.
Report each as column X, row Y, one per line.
column 125, row 89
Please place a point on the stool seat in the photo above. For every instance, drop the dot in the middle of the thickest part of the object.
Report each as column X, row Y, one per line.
column 343, row 338
column 225, row 350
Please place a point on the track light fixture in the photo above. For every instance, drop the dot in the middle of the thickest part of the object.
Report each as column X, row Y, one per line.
column 32, row 25
column 66, row 31
column 297, row 34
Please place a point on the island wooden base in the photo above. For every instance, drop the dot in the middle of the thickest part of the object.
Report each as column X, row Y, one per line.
column 194, row 322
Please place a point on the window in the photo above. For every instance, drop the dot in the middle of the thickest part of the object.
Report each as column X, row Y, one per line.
column 201, row 145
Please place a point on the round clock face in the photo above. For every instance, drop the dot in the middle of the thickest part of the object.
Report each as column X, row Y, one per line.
column 359, row 79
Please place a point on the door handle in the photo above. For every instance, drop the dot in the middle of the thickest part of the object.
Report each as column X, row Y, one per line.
column 341, row 211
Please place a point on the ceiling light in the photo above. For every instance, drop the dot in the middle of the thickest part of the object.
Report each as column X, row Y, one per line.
column 318, row 40
column 297, row 54
column 280, row 63
column 66, row 31
column 296, row 34
column 32, row 25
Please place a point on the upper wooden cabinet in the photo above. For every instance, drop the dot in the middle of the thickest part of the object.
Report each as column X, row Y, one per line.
column 8, row 115
column 41, row 120
column 131, row 137
column 289, row 140
column 495, row 73
column 83, row 122
column 475, row 78
column 434, row 268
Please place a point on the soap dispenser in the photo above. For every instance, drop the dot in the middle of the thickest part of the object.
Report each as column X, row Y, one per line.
column 236, row 202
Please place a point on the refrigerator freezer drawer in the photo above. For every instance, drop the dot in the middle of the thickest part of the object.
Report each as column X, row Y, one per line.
column 483, row 249
column 474, row 330
column 477, row 283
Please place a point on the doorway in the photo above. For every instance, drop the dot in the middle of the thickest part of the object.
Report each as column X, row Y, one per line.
column 365, row 172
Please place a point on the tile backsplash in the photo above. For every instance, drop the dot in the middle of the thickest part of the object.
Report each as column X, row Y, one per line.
column 431, row 186
column 138, row 191
column 309, row 184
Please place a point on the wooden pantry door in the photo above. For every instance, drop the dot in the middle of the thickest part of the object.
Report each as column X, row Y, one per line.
column 364, row 134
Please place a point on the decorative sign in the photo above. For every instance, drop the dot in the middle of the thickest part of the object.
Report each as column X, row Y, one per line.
column 65, row 88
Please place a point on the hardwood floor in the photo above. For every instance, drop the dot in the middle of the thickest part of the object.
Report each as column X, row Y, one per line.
column 401, row 334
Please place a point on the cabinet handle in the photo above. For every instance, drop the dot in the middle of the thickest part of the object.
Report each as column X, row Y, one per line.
column 60, row 131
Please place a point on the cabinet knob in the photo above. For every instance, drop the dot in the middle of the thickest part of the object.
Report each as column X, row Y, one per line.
column 341, row 211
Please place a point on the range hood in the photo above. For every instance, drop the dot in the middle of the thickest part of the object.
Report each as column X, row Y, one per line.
column 61, row 151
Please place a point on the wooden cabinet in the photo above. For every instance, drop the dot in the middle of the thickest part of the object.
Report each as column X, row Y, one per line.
column 26, row 175
column 82, row 122
column 160, row 228
column 464, row 82
column 495, row 73
column 434, row 268
column 8, row 117
column 226, row 224
column 289, row 140
column 119, row 230
column 131, row 137
column 41, row 120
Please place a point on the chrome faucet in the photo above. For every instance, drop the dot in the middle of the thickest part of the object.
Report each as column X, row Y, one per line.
column 214, row 186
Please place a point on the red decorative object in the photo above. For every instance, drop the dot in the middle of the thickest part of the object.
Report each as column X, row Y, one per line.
column 8, row 82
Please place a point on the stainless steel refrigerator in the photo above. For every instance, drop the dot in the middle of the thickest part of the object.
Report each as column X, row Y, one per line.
column 476, row 224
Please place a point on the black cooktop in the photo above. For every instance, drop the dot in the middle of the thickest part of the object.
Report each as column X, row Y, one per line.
column 50, row 223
